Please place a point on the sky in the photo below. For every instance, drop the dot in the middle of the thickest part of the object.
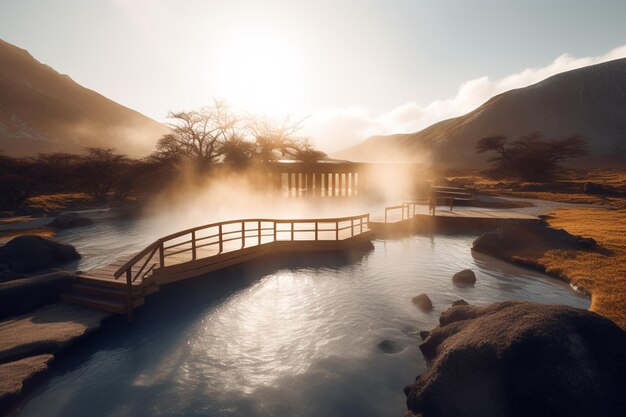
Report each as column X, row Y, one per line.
column 352, row 68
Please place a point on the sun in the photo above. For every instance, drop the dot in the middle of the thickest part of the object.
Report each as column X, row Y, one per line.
column 260, row 72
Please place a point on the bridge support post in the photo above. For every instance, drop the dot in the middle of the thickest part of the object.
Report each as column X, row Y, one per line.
column 129, row 296
column 193, row 245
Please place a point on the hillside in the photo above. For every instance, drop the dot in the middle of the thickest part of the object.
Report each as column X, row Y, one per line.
column 590, row 101
column 44, row 111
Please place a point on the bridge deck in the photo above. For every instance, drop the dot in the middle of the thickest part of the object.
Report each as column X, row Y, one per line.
column 187, row 254
column 396, row 216
column 122, row 285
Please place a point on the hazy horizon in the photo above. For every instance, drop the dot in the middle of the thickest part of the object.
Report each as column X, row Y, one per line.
column 355, row 68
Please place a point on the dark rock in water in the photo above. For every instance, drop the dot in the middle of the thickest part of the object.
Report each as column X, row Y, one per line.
column 30, row 253
column 521, row 359
column 593, row 188
column 460, row 302
column 390, row 347
column 424, row 334
column 67, row 221
column 512, row 237
column 22, row 295
column 464, row 277
column 423, row 302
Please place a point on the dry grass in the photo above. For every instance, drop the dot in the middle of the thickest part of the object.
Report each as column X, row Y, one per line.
column 600, row 272
column 569, row 190
column 57, row 202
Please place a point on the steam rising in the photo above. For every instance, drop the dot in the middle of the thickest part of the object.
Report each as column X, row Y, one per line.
column 193, row 201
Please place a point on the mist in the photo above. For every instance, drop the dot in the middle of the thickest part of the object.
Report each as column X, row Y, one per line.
column 192, row 200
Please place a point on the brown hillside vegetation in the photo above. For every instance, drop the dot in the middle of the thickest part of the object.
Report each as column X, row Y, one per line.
column 42, row 111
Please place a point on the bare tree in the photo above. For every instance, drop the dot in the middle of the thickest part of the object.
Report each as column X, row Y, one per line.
column 199, row 135
column 238, row 152
column 274, row 139
column 100, row 171
column 531, row 157
column 307, row 153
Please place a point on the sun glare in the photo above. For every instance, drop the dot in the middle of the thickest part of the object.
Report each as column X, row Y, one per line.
column 261, row 73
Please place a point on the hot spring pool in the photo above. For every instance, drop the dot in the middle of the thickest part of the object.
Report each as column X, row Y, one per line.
column 281, row 340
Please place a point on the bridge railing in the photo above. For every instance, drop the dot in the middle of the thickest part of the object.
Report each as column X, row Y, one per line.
column 446, row 195
column 408, row 209
column 227, row 236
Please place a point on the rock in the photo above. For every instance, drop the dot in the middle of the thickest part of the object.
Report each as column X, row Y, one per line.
column 521, row 359
column 14, row 375
column 464, row 277
column 593, row 188
column 69, row 220
column 424, row 334
column 46, row 330
column 390, row 347
column 423, row 302
column 460, row 302
column 23, row 295
column 512, row 238
column 30, row 253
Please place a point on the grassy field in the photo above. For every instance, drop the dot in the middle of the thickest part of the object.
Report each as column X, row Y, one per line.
column 600, row 272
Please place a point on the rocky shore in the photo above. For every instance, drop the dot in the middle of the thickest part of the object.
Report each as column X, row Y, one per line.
column 521, row 359
column 34, row 325
column 29, row 342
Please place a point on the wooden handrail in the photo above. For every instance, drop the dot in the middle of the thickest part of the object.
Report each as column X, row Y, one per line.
column 159, row 245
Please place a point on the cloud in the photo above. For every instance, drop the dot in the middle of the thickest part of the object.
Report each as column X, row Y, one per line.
column 333, row 129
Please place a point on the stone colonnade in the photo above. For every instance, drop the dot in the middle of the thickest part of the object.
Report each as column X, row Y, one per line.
column 320, row 180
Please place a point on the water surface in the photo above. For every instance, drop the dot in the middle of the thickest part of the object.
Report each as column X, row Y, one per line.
column 270, row 339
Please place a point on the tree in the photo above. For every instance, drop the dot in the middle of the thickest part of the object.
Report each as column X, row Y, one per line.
column 199, row 135
column 238, row 152
column 16, row 187
column 101, row 170
column 530, row 157
column 56, row 171
column 305, row 152
column 274, row 139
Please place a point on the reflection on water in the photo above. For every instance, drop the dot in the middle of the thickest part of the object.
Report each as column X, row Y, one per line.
column 273, row 340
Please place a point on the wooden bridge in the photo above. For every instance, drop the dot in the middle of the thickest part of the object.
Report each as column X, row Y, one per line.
column 122, row 286
column 426, row 216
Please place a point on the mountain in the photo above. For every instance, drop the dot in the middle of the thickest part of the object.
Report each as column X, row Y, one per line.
column 43, row 111
column 589, row 101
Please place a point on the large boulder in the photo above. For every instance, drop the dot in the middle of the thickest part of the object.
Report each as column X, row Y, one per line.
column 30, row 253
column 513, row 238
column 521, row 359
column 22, row 295
column 69, row 220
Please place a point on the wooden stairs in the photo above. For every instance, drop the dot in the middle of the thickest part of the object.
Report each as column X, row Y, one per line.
column 106, row 295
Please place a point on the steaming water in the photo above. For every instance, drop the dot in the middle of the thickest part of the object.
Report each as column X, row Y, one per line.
column 275, row 340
